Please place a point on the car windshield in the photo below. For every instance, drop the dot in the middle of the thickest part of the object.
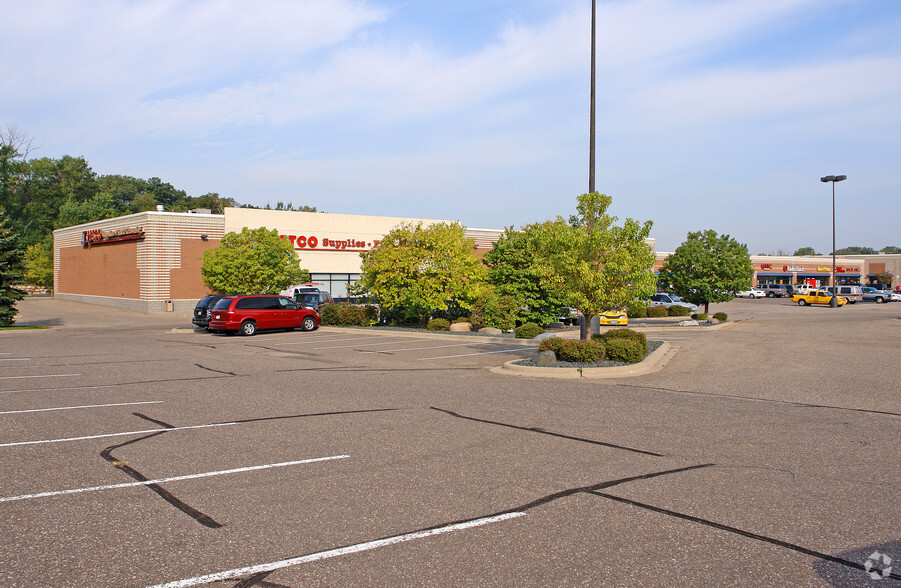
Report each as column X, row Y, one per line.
column 675, row 298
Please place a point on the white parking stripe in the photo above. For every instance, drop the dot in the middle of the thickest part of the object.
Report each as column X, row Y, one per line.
column 45, row 376
column 482, row 353
column 370, row 344
column 83, row 406
column 105, row 435
column 57, row 389
column 16, row 359
column 359, row 547
column 172, row 479
column 417, row 348
column 331, row 340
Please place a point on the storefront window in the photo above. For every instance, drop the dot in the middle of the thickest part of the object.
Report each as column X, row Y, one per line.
column 335, row 284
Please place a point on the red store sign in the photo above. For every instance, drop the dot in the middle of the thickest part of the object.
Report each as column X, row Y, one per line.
column 313, row 243
column 98, row 236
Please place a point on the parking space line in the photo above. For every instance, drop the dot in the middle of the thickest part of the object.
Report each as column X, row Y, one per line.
column 332, row 340
column 105, row 435
column 370, row 344
column 172, row 479
column 481, row 353
column 417, row 348
column 347, row 550
column 57, row 389
column 44, row 376
column 16, row 359
column 82, row 406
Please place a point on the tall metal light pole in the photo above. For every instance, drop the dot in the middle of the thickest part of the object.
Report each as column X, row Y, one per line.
column 591, row 115
column 834, row 302
column 583, row 326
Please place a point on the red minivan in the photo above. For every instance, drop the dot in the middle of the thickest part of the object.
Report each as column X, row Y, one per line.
column 248, row 314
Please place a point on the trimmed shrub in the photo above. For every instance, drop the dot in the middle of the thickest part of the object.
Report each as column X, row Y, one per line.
column 552, row 344
column 678, row 310
column 328, row 314
column 699, row 317
column 629, row 335
column 438, row 324
column 721, row 316
column 345, row 314
column 657, row 311
column 637, row 311
column 625, row 350
column 528, row 331
column 580, row 351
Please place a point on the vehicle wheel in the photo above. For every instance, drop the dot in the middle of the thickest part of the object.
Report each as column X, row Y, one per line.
column 802, row 303
column 308, row 324
column 770, row 295
column 880, row 300
column 248, row 328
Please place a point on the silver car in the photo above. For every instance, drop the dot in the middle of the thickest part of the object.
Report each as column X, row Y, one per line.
column 667, row 300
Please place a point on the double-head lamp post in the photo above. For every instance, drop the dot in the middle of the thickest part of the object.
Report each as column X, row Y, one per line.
column 834, row 302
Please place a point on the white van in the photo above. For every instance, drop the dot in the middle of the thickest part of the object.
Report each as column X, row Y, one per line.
column 852, row 293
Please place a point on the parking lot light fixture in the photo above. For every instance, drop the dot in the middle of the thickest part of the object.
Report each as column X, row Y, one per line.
column 834, row 302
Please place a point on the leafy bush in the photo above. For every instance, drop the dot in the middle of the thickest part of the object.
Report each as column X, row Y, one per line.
column 579, row 351
column 721, row 316
column 552, row 344
column 345, row 314
column 657, row 311
column 699, row 317
column 528, row 331
column 625, row 350
column 637, row 310
column 678, row 310
column 438, row 324
column 629, row 335
column 491, row 310
column 461, row 319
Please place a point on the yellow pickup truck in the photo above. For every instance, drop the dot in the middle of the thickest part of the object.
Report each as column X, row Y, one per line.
column 817, row 297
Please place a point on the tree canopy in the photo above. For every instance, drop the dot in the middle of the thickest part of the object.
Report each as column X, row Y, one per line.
column 595, row 264
column 513, row 271
column 708, row 268
column 417, row 271
column 11, row 268
column 254, row 261
column 806, row 251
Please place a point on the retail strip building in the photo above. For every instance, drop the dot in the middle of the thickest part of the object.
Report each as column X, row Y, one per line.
column 150, row 261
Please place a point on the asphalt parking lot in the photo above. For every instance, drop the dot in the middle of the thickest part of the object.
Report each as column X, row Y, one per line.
column 136, row 452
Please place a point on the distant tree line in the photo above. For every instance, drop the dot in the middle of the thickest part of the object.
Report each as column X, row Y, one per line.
column 38, row 195
column 853, row 250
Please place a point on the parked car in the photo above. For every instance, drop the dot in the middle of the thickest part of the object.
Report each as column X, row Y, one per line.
column 752, row 293
column 853, row 293
column 249, row 314
column 817, row 297
column 613, row 317
column 775, row 290
column 203, row 310
column 879, row 287
column 667, row 300
column 312, row 299
column 873, row 295
column 896, row 296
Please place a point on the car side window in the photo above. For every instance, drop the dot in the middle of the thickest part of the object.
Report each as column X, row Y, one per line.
column 287, row 304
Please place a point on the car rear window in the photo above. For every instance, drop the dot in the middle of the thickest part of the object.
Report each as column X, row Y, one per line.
column 223, row 304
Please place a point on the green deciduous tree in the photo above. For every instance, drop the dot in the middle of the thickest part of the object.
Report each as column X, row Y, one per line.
column 254, row 261
column 595, row 264
column 708, row 268
column 39, row 263
column 855, row 250
column 513, row 271
column 806, row 251
column 98, row 207
column 11, row 268
column 418, row 271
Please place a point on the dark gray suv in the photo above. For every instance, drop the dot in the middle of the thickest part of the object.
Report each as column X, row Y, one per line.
column 776, row 290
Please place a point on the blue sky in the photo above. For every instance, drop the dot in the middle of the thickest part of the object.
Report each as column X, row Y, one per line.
column 711, row 114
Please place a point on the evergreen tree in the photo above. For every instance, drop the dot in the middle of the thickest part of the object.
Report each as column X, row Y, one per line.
column 11, row 267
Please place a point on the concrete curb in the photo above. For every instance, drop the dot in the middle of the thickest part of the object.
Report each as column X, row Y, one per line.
column 652, row 363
